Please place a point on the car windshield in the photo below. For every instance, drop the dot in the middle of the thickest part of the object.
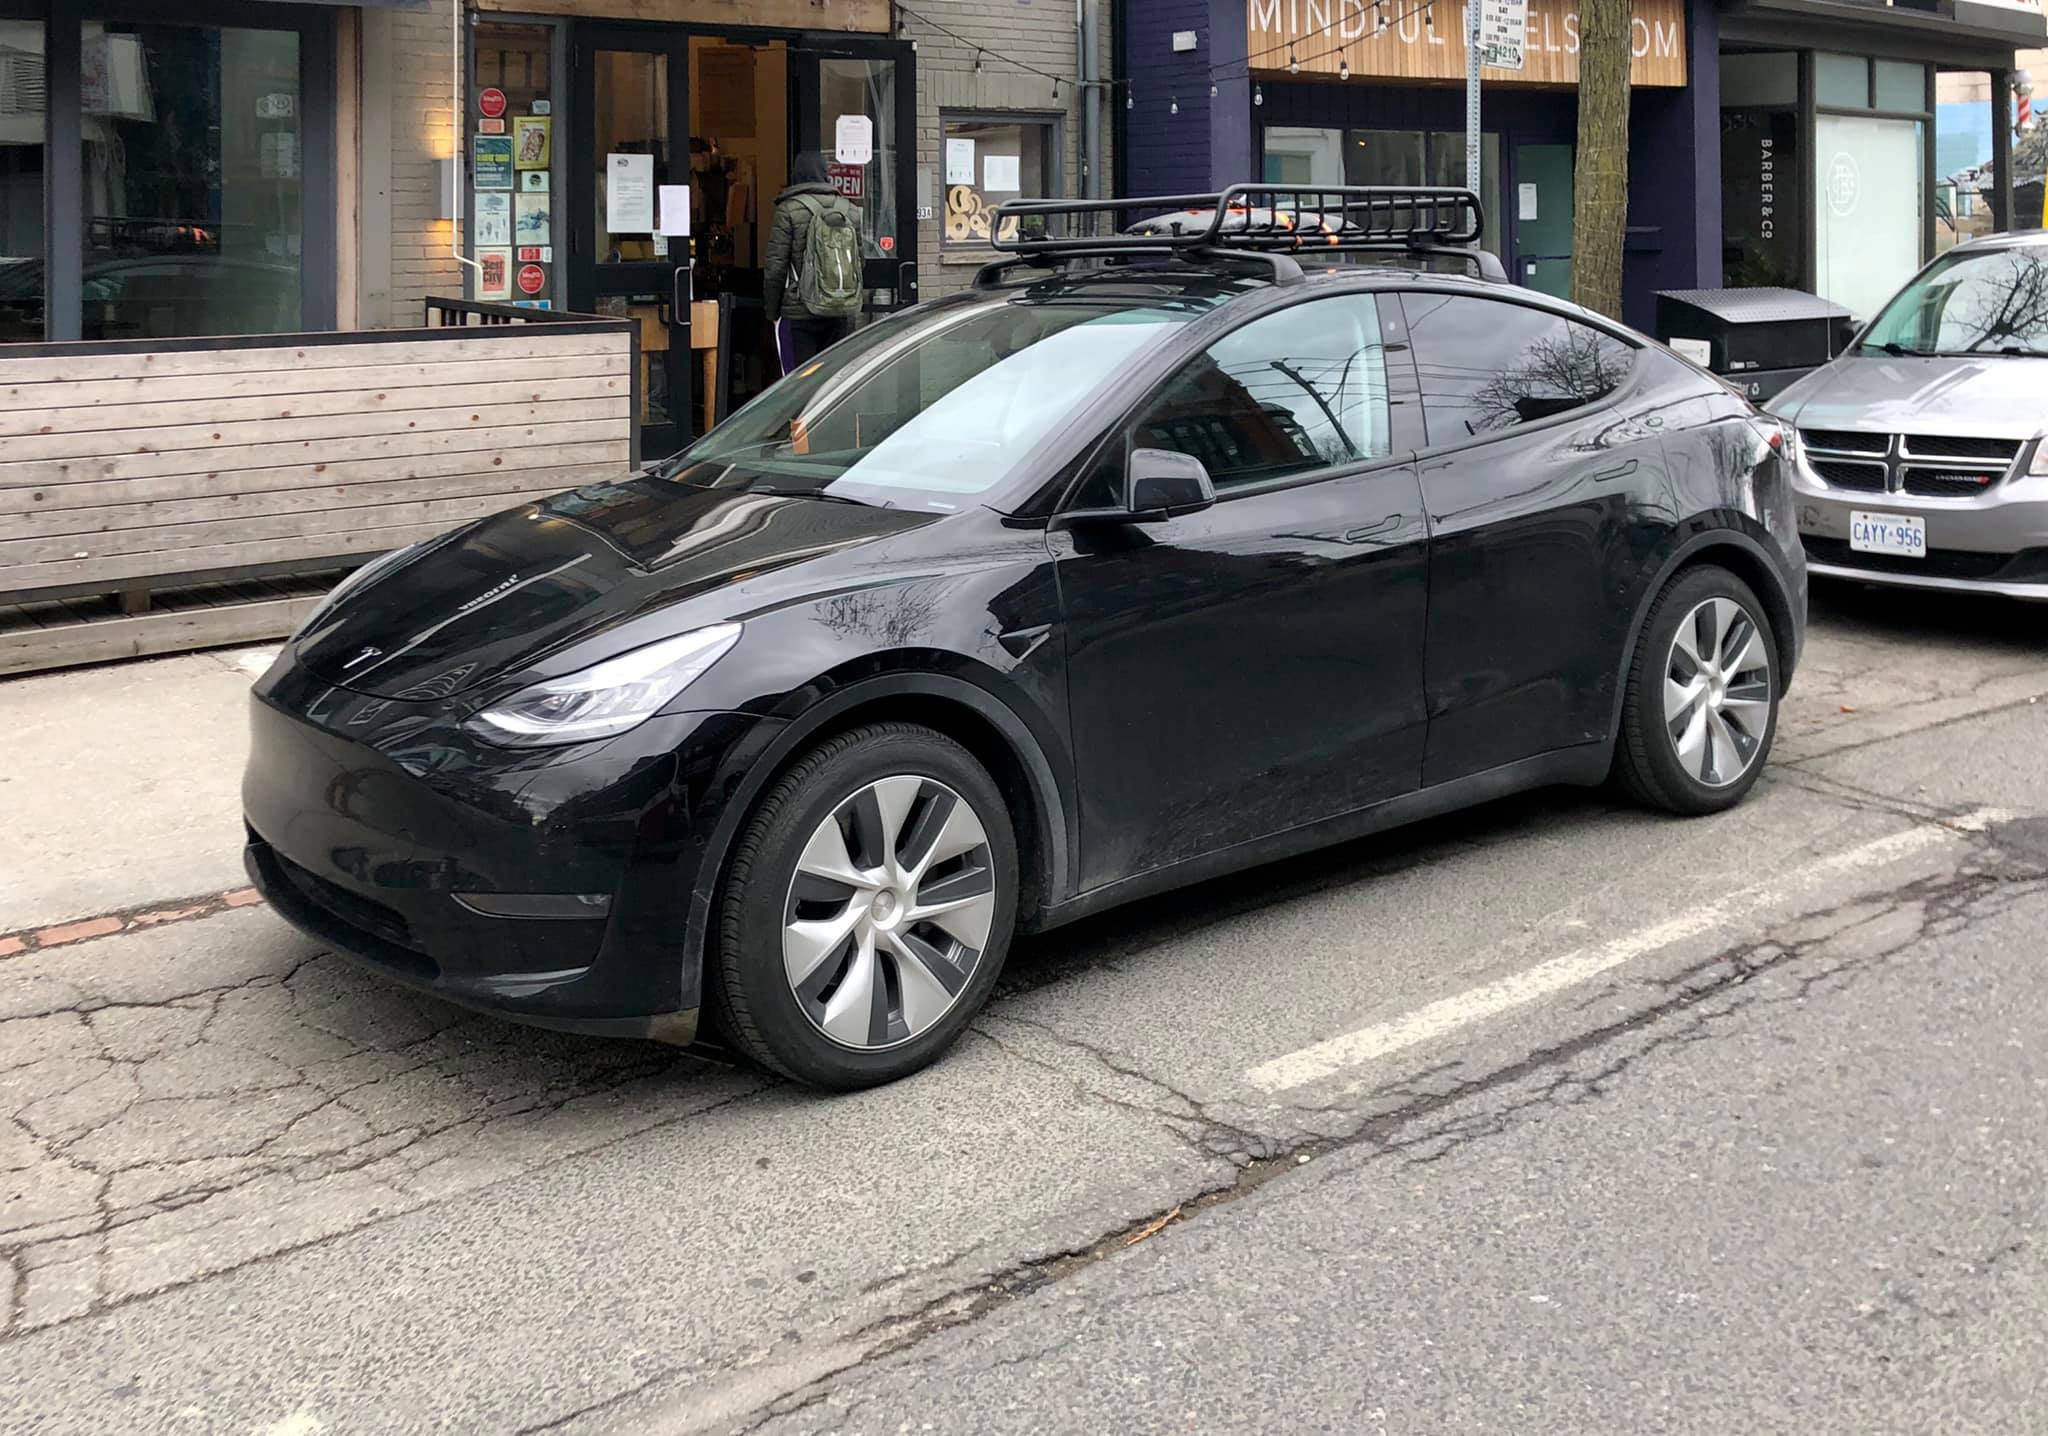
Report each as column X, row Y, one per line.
column 1985, row 302
column 937, row 406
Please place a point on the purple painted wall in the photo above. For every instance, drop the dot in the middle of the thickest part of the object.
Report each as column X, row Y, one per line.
column 1674, row 148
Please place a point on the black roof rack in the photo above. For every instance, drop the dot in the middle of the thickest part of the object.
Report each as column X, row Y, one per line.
column 1264, row 225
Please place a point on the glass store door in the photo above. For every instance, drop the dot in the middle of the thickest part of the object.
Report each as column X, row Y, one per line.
column 631, row 129
column 842, row 75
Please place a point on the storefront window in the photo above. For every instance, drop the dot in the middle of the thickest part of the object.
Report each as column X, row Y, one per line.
column 987, row 161
column 1760, row 147
column 1868, row 201
column 512, row 163
column 193, row 181
column 1899, row 85
column 22, row 138
column 863, row 87
column 1962, row 157
column 1841, row 82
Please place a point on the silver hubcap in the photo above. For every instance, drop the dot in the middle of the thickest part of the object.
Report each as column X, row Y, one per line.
column 889, row 912
column 1717, row 692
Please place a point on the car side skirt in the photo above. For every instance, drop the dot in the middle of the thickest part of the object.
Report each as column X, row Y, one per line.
column 1584, row 765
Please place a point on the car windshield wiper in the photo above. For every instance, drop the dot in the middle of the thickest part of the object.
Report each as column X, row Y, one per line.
column 1906, row 351
column 776, row 493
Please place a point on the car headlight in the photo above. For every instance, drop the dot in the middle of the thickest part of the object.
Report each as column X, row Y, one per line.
column 354, row 579
column 607, row 698
column 2039, row 467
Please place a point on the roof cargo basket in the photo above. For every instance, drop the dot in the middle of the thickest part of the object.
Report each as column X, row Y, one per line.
column 1265, row 225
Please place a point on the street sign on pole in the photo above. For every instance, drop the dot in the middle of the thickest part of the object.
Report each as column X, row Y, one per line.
column 1503, row 33
column 1472, row 95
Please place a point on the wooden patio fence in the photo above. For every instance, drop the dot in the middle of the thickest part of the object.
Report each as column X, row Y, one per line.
column 165, row 495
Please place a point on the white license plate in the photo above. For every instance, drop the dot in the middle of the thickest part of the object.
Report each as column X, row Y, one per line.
column 1899, row 534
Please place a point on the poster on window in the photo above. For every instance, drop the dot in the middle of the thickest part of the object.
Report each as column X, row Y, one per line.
column 533, row 219
column 493, row 219
column 629, row 194
column 494, row 280
column 493, row 162
column 1000, row 174
column 959, row 161
column 532, row 142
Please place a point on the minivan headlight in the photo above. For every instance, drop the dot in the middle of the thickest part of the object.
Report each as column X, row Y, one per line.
column 607, row 698
column 2039, row 467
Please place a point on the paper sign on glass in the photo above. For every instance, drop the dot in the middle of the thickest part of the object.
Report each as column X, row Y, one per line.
column 629, row 194
column 493, row 162
column 675, row 209
column 854, row 140
column 1525, row 201
column 494, row 280
column 493, row 218
column 959, row 161
column 999, row 174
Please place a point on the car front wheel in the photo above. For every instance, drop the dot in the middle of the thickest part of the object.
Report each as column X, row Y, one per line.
column 868, row 908
column 1702, row 702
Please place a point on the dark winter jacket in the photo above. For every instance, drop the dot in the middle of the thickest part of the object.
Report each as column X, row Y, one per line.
column 789, row 238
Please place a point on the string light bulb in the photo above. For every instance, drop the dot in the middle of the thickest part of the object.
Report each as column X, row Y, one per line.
column 1055, row 87
column 1429, row 16
column 977, row 62
column 1173, row 105
column 1130, row 100
column 1212, row 90
column 1343, row 68
column 1293, row 65
column 1258, row 94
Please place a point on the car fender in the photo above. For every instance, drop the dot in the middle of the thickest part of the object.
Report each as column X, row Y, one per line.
column 796, row 733
column 1697, row 537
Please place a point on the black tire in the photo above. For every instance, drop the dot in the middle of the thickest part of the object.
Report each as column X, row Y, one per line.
column 752, row 999
column 1646, row 759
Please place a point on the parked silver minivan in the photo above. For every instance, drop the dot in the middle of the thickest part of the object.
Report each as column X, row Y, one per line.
column 1922, row 456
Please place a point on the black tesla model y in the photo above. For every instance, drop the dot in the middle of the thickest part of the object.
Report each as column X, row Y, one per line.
column 1150, row 557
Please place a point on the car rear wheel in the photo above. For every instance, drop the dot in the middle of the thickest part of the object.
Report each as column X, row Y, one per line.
column 1702, row 702
column 868, row 908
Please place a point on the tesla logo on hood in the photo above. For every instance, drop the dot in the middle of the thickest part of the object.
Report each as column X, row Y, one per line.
column 490, row 593
column 365, row 655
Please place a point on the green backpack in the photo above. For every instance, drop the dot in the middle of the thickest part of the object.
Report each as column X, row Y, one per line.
column 828, row 281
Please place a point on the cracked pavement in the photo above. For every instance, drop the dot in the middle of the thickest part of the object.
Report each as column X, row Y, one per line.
column 1787, row 1173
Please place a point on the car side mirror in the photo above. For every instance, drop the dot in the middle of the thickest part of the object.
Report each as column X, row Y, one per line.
column 1160, row 483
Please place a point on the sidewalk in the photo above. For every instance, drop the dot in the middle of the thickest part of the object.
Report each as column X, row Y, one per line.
column 120, row 785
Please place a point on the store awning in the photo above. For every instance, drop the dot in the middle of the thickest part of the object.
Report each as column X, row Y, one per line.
column 1955, row 24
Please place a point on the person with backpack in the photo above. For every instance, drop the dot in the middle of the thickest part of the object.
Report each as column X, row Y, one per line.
column 813, row 284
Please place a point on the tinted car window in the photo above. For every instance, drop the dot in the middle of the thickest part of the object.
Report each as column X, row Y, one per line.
column 1487, row 366
column 1299, row 390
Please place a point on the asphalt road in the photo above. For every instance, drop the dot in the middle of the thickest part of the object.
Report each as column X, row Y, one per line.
column 1551, row 1116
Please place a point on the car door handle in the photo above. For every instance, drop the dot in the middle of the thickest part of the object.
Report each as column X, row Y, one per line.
column 1619, row 471
column 1371, row 531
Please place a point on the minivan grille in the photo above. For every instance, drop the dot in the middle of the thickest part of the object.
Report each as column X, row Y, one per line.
column 1943, row 466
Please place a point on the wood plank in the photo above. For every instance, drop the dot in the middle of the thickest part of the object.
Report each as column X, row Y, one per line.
column 36, row 650
column 139, row 417
column 341, row 549
column 479, row 347
column 209, row 387
column 513, row 444
column 84, row 524
column 220, row 436
column 169, row 542
column 608, row 457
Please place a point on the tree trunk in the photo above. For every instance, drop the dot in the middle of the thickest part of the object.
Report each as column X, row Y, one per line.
column 1600, row 179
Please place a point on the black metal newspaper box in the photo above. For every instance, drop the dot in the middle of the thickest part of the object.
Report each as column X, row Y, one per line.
column 1758, row 339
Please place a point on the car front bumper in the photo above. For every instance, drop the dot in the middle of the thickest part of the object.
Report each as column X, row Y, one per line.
column 1995, row 542
column 554, row 887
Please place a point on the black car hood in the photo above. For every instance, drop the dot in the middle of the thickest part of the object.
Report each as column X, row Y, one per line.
column 491, row 598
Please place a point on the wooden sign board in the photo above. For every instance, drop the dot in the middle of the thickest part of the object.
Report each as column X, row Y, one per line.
column 1322, row 34
column 864, row 16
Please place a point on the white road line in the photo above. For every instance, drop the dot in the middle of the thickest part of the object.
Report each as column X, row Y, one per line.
column 1381, row 1039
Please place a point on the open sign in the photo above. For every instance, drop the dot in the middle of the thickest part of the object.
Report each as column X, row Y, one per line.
column 849, row 180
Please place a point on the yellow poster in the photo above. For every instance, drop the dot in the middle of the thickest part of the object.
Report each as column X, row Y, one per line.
column 532, row 140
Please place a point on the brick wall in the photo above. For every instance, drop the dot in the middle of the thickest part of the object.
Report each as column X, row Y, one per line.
column 406, row 80
column 1039, row 33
